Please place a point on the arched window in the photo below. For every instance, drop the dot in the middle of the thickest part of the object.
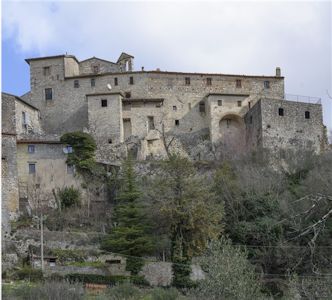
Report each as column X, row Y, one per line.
column 307, row 114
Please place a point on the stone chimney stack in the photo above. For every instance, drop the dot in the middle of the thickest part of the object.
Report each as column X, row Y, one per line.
column 278, row 72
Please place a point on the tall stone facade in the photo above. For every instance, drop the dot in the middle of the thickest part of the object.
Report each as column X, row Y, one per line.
column 117, row 104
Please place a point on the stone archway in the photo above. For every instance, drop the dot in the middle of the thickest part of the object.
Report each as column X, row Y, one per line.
column 232, row 133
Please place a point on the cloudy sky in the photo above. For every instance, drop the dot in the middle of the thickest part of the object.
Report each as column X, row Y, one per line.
column 218, row 37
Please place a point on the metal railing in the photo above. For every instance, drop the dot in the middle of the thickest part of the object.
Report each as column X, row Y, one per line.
column 301, row 98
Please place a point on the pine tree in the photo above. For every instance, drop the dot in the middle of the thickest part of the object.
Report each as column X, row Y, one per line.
column 130, row 234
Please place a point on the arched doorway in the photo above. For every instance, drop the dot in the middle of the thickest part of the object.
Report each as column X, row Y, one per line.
column 232, row 133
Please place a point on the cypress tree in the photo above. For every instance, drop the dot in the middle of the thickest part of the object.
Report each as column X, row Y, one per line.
column 130, row 235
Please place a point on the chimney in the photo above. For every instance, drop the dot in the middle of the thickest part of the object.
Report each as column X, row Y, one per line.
column 278, row 72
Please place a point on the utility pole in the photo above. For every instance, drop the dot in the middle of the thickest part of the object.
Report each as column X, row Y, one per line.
column 42, row 241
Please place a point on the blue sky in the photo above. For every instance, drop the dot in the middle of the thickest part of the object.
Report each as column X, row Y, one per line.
column 218, row 37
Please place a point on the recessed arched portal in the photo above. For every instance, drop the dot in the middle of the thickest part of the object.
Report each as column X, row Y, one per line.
column 232, row 133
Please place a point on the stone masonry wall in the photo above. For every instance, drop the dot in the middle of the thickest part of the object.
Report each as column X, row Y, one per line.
column 292, row 130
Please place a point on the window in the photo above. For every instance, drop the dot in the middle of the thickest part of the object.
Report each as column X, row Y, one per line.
column 202, row 107
column 110, row 141
column 48, row 94
column 70, row 169
column 219, row 102
column 32, row 168
column 24, row 118
column 249, row 104
column 76, row 84
column 57, row 76
column 208, row 81
column 95, row 69
column 238, row 83
column 175, row 108
column 266, row 84
column 307, row 114
column 239, row 103
column 131, row 80
column 177, row 122
column 281, row 111
column 128, row 94
column 46, row 71
column 31, row 148
column 93, row 82
column 151, row 123
column 250, row 120
column 187, row 80
column 115, row 81
column 103, row 102
column 228, row 122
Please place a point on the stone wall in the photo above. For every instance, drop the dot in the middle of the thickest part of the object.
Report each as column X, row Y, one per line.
column 68, row 110
column 9, row 190
column 87, row 66
column 292, row 130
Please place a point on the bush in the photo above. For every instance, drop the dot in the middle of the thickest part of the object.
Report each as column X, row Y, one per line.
column 54, row 290
column 124, row 291
column 69, row 196
column 28, row 273
column 164, row 294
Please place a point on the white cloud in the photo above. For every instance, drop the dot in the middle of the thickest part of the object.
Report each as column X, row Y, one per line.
column 227, row 37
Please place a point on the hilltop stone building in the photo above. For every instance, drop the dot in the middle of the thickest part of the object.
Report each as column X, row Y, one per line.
column 146, row 112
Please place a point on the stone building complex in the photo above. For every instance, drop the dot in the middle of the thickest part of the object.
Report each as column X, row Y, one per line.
column 148, row 113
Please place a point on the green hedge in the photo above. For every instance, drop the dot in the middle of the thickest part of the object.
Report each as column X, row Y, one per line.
column 105, row 279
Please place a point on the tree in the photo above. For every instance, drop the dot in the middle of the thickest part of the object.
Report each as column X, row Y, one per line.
column 228, row 273
column 130, row 233
column 193, row 215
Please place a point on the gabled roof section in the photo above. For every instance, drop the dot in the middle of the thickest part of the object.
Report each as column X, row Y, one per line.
column 93, row 57
column 19, row 99
column 51, row 57
column 124, row 56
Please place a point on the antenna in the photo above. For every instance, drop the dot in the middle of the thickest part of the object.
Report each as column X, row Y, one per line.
column 109, row 86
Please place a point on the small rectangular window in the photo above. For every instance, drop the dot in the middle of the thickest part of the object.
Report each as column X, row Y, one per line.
column 177, row 122
column 76, row 84
column 250, row 120
column 31, row 148
column 202, row 107
column 307, row 114
column 95, row 69
column 175, row 108
column 103, row 102
column 151, row 123
column 187, row 80
column 266, row 84
column 93, row 82
column 219, row 102
column 281, row 111
column 32, row 168
column 48, row 94
column 208, row 81
column 47, row 71
column 131, row 80
column 239, row 103
column 24, row 118
column 249, row 104
column 238, row 83
column 115, row 81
